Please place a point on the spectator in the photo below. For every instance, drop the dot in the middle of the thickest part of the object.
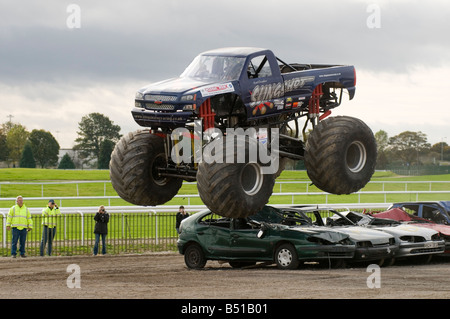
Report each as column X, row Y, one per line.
column 101, row 229
column 180, row 216
column 49, row 215
column 20, row 222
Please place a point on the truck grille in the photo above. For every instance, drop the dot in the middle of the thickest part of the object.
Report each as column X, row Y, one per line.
column 162, row 107
column 162, row 98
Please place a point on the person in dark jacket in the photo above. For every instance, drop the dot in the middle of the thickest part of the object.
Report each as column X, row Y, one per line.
column 101, row 229
column 182, row 214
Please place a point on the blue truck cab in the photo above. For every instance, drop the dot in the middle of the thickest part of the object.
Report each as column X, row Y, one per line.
column 243, row 84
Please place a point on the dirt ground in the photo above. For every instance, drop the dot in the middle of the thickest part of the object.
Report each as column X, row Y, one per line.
column 164, row 275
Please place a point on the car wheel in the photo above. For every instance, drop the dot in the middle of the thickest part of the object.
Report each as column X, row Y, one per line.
column 286, row 257
column 194, row 257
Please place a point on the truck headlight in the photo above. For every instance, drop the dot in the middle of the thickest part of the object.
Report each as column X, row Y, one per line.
column 139, row 96
column 189, row 97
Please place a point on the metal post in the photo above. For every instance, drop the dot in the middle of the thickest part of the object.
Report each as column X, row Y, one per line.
column 4, row 230
column 156, row 228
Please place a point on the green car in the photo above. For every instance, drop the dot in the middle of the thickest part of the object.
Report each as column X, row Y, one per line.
column 268, row 236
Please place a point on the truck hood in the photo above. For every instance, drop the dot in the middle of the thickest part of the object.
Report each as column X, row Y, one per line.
column 184, row 85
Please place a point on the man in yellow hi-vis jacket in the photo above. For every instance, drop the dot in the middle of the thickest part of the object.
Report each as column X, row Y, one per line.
column 49, row 215
column 20, row 222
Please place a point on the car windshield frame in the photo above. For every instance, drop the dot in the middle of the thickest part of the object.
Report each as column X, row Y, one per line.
column 215, row 68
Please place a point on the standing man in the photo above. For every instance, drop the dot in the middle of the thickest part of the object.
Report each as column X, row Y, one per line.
column 180, row 216
column 20, row 222
column 49, row 226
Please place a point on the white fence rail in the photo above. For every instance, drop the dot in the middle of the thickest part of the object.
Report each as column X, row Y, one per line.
column 279, row 185
column 291, row 194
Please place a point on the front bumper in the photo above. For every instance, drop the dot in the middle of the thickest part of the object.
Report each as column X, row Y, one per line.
column 426, row 248
column 375, row 253
column 326, row 252
column 150, row 118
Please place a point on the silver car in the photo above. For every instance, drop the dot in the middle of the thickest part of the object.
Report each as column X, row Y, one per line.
column 412, row 240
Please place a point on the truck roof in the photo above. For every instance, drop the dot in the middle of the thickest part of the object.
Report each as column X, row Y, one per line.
column 234, row 51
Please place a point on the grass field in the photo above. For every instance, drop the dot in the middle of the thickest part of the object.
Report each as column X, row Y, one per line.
column 136, row 232
column 25, row 182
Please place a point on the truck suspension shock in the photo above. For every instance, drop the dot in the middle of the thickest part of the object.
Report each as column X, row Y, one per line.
column 207, row 115
column 314, row 104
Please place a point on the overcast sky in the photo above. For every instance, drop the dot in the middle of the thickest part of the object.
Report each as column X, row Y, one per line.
column 53, row 71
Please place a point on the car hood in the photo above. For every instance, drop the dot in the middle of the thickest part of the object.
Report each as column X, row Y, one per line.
column 324, row 233
column 358, row 233
column 184, row 85
column 408, row 230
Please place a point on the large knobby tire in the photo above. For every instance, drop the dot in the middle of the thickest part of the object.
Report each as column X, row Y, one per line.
column 233, row 189
column 134, row 170
column 340, row 155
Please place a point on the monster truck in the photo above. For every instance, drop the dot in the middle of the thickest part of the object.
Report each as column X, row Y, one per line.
column 233, row 103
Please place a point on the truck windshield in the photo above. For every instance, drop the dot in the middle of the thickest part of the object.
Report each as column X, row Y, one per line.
column 212, row 67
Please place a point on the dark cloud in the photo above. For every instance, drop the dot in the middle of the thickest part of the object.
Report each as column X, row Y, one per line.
column 150, row 40
column 123, row 45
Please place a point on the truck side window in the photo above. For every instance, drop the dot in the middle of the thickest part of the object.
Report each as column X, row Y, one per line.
column 259, row 67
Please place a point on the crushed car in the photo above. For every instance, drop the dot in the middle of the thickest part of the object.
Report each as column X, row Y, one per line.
column 419, row 242
column 436, row 211
column 265, row 237
column 371, row 245
column 402, row 216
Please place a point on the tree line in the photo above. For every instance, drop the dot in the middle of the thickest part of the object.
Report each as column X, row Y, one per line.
column 409, row 149
column 97, row 135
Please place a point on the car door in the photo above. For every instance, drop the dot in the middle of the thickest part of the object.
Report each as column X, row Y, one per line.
column 214, row 235
column 244, row 242
column 265, row 88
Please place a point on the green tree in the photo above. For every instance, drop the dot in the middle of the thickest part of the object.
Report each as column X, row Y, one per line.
column 66, row 162
column 27, row 160
column 45, row 148
column 16, row 138
column 442, row 149
column 105, row 154
column 408, row 145
column 4, row 151
column 382, row 140
column 94, row 129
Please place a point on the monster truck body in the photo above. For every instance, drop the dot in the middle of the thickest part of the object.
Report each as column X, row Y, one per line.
column 243, row 88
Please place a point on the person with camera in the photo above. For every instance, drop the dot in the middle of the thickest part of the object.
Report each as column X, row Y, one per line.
column 101, row 229
column 182, row 214
column 49, row 216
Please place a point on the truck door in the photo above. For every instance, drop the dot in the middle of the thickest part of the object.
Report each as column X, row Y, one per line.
column 264, row 86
